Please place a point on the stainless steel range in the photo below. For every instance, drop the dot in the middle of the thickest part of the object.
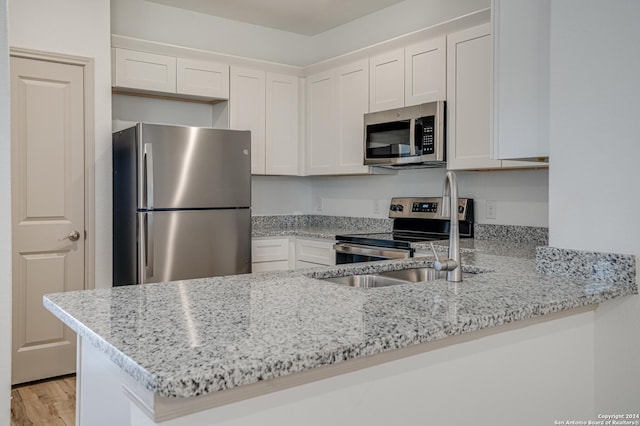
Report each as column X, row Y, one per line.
column 414, row 220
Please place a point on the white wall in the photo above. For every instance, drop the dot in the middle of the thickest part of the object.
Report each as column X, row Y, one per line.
column 594, row 173
column 78, row 27
column 280, row 195
column 520, row 195
column 165, row 24
column 388, row 23
column 5, row 222
column 157, row 22
column 150, row 110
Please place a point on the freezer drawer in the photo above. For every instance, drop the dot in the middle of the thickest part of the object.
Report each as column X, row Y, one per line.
column 179, row 245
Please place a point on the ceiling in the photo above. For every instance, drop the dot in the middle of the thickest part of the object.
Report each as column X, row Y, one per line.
column 308, row 17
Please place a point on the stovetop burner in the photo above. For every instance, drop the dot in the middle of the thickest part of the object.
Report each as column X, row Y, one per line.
column 388, row 239
column 416, row 220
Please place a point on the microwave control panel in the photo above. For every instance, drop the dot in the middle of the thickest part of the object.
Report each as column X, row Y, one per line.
column 427, row 126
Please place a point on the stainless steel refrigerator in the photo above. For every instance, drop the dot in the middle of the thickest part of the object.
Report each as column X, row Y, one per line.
column 181, row 203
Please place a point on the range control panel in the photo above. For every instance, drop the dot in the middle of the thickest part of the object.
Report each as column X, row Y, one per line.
column 427, row 208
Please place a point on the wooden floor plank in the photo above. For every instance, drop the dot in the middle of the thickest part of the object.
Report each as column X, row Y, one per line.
column 50, row 402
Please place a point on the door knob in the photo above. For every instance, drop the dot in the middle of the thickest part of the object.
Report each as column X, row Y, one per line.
column 73, row 236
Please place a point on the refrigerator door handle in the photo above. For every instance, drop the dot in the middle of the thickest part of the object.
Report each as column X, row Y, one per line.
column 149, row 244
column 146, row 248
column 148, row 175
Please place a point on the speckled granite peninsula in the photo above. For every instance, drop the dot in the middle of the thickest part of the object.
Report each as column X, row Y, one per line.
column 188, row 338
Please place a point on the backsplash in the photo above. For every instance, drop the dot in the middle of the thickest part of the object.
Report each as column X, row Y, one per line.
column 320, row 221
column 610, row 267
column 512, row 233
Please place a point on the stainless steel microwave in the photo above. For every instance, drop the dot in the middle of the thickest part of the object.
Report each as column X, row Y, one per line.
column 406, row 137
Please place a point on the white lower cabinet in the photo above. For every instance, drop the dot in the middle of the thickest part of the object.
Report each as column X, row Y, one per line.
column 283, row 253
column 314, row 252
column 272, row 254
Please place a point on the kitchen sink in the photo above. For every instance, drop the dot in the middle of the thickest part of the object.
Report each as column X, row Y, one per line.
column 416, row 275
column 401, row 276
column 366, row 280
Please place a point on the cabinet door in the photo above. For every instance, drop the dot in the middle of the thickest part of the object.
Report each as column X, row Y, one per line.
column 521, row 78
column 315, row 251
column 468, row 99
column 352, row 91
column 269, row 249
column 247, row 111
column 202, row 78
column 145, row 71
column 321, row 124
column 281, row 149
column 386, row 88
column 425, row 72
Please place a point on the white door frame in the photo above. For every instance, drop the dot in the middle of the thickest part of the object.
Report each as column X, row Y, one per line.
column 87, row 65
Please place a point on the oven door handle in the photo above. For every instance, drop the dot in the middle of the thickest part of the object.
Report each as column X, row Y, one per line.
column 371, row 251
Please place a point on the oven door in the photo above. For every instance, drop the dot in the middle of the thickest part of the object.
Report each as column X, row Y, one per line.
column 355, row 253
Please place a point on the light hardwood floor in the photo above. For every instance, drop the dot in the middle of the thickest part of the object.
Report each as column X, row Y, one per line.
column 48, row 402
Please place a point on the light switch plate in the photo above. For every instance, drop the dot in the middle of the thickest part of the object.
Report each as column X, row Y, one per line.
column 491, row 209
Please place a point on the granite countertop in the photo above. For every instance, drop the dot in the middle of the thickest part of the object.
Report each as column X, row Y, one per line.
column 189, row 338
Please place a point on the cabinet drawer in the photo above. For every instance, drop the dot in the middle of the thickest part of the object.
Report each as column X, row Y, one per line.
column 315, row 251
column 270, row 250
column 281, row 265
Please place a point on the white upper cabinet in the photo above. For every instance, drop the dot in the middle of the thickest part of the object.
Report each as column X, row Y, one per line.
column 202, row 78
column 425, row 72
column 177, row 77
column 267, row 104
column 282, row 110
column 469, row 99
column 469, row 73
column 386, row 87
column 247, row 111
column 412, row 75
column 336, row 103
column 352, row 92
column 322, row 123
column 144, row 71
column 520, row 79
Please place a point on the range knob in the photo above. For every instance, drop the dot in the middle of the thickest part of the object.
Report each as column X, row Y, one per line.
column 399, row 207
column 393, row 207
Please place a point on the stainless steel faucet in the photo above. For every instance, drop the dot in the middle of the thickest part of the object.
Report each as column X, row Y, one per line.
column 450, row 208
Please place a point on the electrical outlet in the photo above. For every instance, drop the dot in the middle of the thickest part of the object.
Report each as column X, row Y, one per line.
column 491, row 209
column 376, row 207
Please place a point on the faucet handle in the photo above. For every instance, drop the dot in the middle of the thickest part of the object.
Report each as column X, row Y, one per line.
column 443, row 265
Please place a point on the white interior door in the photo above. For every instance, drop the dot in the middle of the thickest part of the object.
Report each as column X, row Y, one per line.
column 47, row 197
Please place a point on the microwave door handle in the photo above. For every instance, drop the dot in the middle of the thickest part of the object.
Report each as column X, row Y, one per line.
column 412, row 137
